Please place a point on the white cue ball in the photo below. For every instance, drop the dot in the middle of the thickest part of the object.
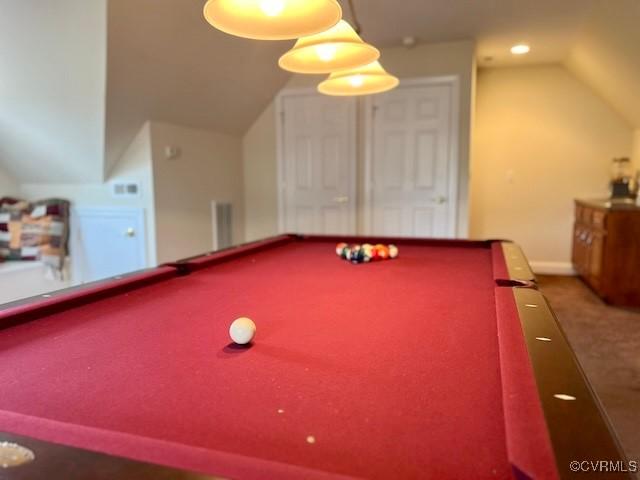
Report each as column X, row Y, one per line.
column 242, row 330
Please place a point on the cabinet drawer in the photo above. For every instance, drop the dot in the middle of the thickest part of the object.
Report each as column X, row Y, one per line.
column 586, row 215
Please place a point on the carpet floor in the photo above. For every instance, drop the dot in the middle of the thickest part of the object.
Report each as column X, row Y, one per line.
column 607, row 343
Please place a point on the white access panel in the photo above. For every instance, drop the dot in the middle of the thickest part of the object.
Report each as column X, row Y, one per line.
column 106, row 242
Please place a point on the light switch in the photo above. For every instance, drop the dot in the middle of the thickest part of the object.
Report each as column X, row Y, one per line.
column 171, row 152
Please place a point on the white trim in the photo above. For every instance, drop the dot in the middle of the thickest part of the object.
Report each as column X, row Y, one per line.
column 280, row 177
column 541, row 267
column 214, row 225
column 455, row 178
column 281, row 164
column 367, row 153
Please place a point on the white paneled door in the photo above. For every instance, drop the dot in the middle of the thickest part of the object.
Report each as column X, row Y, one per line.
column 317, row 164
column 411, row 165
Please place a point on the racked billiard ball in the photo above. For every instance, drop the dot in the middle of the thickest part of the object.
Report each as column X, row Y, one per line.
column 348, row 253
column 357, row 254
column 393, row 251
column 340, row 249
column 383, row 251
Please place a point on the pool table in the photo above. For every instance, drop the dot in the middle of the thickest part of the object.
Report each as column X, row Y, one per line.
column 446, row 362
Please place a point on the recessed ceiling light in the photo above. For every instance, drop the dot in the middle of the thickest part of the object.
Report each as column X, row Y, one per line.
column 520, row 49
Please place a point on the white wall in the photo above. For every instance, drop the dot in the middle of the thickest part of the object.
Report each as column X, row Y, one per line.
column 542, row 139
column 52, row 90
column 135, row 165
column 8, row 185
column 454, row 58
column 175, row 194
column 208, row 168
column 260, row 177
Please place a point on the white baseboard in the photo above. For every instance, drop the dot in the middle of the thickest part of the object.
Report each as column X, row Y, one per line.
column 552, row 268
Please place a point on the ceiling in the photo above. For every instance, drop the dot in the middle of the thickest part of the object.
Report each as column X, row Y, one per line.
column 52, row 59
column 549, row 26
column 165, row 63
column 607, row 57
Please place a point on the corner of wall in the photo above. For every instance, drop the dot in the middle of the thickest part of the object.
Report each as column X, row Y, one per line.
column 207, row 168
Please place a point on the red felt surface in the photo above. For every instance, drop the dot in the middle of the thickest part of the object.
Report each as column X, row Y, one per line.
column 392, row 367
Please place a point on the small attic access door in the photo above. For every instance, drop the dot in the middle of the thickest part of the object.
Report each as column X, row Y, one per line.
column 106, row 242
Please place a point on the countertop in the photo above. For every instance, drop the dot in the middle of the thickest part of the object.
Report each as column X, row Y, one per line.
column 610, row 204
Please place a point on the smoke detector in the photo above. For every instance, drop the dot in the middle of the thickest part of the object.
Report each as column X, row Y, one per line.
column 409, row 41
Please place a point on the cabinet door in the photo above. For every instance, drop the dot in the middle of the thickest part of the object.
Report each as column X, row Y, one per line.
column 575, row 252
column 580, row 254
column 595, row 243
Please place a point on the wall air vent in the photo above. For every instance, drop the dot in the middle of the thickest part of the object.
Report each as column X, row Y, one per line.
column 125, row 189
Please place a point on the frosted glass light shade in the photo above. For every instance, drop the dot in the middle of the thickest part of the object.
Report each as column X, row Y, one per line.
column 338, row 48
column 365, row 80
column 272, row 19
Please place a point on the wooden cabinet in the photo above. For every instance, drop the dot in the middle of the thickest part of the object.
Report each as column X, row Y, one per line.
column 606, row 249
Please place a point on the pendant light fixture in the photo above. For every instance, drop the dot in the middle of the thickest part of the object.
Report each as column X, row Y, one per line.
column 365, row 80
column 338, row 48
column 272, row 19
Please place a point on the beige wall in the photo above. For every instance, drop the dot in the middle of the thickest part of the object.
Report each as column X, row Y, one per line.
column 208, row 168
column 542, row 138
column 636, row 150
column 259, row 156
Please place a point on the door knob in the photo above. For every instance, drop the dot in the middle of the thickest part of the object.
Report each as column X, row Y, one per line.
column 130, row 232
column 439, row 199
column 342, row 199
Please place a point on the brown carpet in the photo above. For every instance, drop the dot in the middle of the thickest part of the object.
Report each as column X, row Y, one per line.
column 607, row 343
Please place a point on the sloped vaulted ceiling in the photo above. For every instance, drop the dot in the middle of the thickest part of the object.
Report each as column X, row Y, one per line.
column 52, row 89
column 606, row 56
column 167, row 63
column 160, row 60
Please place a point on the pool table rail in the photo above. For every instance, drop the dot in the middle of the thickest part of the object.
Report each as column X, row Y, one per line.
column 60, row 462
column 578, row 425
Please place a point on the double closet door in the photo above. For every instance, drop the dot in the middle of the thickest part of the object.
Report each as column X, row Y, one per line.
column 383, row 165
